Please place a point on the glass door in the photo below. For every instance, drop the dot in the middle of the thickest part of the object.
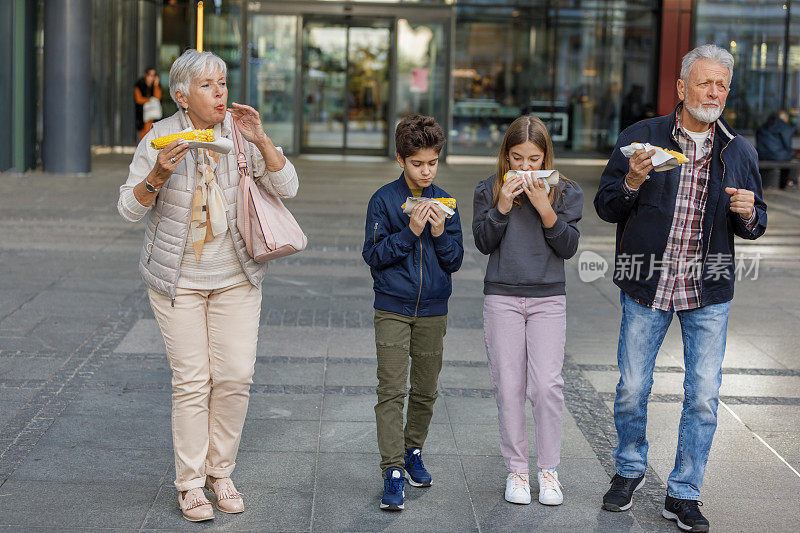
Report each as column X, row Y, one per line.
column 345, row 81
column 271, row 74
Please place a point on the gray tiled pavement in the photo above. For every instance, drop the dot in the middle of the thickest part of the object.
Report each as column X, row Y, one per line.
column 84, row 385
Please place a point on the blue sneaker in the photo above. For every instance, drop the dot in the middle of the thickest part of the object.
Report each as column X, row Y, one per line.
column 415, row 470
column 393, row 490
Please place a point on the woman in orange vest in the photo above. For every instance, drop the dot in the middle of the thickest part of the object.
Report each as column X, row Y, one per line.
column 145, row 88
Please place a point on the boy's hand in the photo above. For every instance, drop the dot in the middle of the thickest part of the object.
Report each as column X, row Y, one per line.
column 510, row 190
column 419, row 216
column 436, row 217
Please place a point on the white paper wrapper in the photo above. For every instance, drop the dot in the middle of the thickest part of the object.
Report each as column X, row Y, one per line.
column 661, row 159
column 549, row 177
column 412, row 201
column 221, row 145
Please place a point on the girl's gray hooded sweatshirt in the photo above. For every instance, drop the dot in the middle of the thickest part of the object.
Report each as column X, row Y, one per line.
column 525, row 258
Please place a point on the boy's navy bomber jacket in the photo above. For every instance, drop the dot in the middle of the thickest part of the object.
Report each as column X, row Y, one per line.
column 411, row 274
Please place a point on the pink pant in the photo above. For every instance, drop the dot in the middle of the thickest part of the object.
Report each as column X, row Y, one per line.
column 525, row 340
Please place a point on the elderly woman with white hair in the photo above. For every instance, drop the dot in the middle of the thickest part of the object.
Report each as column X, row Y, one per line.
column 204, row 288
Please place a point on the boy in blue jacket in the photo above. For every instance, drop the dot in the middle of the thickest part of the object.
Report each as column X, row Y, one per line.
column 411, row 257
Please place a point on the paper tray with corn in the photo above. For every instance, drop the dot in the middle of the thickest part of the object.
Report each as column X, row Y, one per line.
column 195, row 139
column 447, row 205
column 662, row 160
column 548, row 177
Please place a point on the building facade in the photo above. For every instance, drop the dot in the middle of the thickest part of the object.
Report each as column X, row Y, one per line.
column 335, row 77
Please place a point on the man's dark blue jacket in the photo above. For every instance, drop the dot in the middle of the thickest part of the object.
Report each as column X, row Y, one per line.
column 644, row 219
column 411, row 274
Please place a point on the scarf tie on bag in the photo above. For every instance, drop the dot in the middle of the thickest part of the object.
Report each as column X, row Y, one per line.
column 208, row 204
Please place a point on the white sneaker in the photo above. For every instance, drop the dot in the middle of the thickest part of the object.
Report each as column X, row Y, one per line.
column 550, row 488
column 518, row 490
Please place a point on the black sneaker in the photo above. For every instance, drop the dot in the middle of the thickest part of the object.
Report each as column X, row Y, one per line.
column 686, row 513
column 619, row 497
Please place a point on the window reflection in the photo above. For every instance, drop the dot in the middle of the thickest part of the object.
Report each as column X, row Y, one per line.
column 272, row 51
column 754, row 33
column 421, row 75
column 587, row 68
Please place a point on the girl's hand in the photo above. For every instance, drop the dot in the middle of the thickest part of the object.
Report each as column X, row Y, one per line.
column 249, row 122
column 436, row 218
column 510, row 190
column 537, row 194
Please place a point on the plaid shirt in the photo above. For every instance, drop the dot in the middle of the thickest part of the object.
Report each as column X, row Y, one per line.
column 682, row 265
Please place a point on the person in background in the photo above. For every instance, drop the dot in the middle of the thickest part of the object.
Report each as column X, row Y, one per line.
column 774, row 143
column 145, row 88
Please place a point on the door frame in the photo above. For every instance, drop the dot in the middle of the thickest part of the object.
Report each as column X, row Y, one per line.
column 348, row 22
column 302, row 9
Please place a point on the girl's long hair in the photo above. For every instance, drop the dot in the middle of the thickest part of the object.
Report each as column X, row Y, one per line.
column 523, row 129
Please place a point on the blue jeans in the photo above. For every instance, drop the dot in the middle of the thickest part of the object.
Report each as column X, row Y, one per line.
column 641, row 334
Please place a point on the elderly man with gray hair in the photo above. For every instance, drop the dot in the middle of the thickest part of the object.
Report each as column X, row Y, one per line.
column 675, row 255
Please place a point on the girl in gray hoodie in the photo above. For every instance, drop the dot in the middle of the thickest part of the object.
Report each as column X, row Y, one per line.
column 527, row 232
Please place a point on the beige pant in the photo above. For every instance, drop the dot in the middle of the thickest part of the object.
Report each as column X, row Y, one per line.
column 210, row 336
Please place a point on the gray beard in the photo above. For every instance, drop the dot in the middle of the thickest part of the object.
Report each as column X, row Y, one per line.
column 705, row 115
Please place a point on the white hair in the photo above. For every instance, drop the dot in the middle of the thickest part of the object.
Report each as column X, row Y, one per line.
column 190, row 66
column 710, row 52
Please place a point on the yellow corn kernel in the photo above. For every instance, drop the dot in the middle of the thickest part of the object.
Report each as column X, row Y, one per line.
column 194, row 135
column 449, row 202
column 678, row 155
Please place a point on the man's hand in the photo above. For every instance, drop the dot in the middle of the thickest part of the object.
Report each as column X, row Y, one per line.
column 436, row 218
column 639, row 166
column 419, row 217
column 510, row 190
column 742, row 202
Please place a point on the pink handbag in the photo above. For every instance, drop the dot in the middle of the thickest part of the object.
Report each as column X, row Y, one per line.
column 269, row 230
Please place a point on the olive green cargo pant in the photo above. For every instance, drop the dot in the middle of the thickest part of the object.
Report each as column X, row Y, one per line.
column 398, row 338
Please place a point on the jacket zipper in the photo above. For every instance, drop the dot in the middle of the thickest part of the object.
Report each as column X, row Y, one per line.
column 374, row 232
column 419, row 295
column 710, row 233
column 152, row 242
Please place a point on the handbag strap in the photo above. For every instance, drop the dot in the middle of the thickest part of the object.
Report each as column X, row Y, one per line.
column 238, row 146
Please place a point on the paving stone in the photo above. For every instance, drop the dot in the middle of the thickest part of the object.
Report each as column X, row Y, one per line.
column 83, row 464
column 35, row 503
column 360, row 437
column 284, row 406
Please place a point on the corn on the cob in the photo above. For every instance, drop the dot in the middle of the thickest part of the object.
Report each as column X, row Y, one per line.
column 449, row 202
column 194, row 135
column 678, row 155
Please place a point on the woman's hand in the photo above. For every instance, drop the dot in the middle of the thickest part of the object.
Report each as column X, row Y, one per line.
column 166, row 161
column 537, row 194
column 510, row 190
column 249, row 122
